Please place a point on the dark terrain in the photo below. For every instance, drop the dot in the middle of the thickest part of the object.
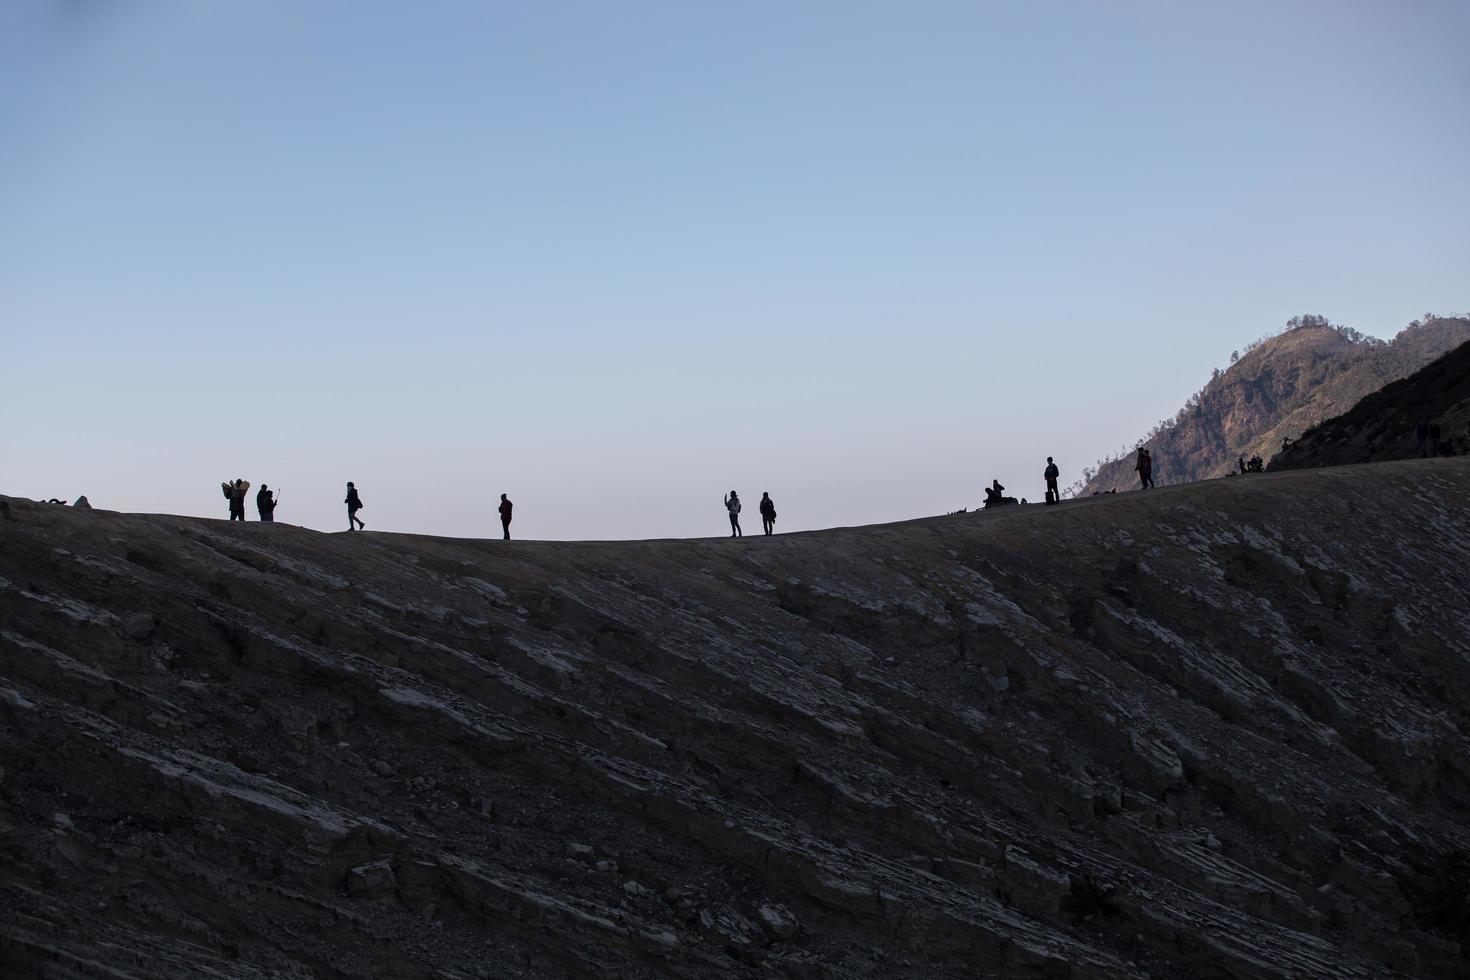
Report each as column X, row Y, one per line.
column 1210, row 731
column 1384, row 425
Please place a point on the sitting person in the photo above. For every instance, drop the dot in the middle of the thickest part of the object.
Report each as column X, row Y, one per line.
column 994, row 495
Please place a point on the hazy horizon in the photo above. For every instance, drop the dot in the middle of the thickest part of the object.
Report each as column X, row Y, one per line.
column 615, row 262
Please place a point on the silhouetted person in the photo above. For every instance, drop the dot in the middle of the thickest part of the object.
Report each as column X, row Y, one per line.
column 1051, row 473
column 1256, row 465
column 768, row 512
column 1422, row 432
column 265, row 503
column 1145, row 468
column 1434, row 438
column 732, row 505
column 235, row 494
column 505, row 509
column 995, row 495
column 1242, row 465
column 354, row 504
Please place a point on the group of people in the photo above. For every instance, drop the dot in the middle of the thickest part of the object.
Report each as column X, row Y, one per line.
column 767, row 508
column 995, row 493
column 266, row 501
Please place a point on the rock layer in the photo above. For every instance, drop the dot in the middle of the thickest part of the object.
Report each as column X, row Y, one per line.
column 1206, row 731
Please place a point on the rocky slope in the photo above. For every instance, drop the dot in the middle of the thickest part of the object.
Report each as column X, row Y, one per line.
column 1205, row 731
column 1385, row 424
column 1279, row 388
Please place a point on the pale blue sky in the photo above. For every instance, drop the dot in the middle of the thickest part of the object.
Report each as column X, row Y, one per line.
column 618, row 258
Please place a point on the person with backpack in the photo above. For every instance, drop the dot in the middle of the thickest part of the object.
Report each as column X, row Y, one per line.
column 265, row 503
column 354, row 504
column 1145, row 468
column 505, row 509
column 1050, row 474
column 768, row 512
column 235, row 494
column 732, row 506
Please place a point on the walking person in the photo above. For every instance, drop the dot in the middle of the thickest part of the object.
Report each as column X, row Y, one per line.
column 768, row 512
column 1145, row 468
column 732, row 505
column 505, row 509
column 1051, row 473
column 354, row 504
column 265, row 503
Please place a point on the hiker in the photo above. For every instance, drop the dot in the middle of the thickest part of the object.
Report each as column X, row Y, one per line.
column 265, row 503
column 1434, row 438
column 768, row 512
column 235, row 494
column 1421, row 431
column 1053, row 495
column 354, row 504
column 1145, row 468
column 505, row 509
column 732, row 504
column 1242, row 466
column 1257, row 464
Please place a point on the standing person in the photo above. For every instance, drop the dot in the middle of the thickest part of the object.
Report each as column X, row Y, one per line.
column 265, row 503
column 768, row 512
column 354, row 504
column 1434, row 432
column 505, row 509
column 236, row 494
column 732, row 505
column 1145, row 468
column 1053, row 495
column 1422, row 432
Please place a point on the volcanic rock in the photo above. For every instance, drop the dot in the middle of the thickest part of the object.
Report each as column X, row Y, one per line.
column 1231, row 743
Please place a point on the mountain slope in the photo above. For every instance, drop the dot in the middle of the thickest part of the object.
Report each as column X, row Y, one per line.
column 1212, row 730
column 1281, row 387
column 1384, row 425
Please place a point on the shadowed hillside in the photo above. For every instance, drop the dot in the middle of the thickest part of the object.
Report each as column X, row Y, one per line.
column 1207, row 731
column 1384, row 425
column 1280, row 387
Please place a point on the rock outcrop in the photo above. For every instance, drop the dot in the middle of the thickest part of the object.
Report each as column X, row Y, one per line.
column 1205, row 731
column 1385, row 425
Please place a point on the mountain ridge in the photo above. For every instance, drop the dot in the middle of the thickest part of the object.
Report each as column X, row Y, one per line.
column 1280, row 387
column 1215, row 727
column 1385, row 424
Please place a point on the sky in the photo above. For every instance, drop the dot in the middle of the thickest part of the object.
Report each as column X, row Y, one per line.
column 617, row 259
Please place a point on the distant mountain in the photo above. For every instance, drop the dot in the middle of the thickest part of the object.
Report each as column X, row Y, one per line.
column 1385, row 424
column 1282, row 386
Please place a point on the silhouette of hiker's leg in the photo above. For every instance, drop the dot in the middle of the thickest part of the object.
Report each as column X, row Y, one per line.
column 505, row 526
